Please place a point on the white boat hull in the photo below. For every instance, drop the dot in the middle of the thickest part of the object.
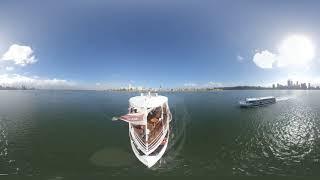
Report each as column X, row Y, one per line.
column 256, row 102
column 150, row 160
column 149, row 119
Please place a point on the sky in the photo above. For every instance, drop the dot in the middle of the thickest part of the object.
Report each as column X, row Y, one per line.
column 105, row 44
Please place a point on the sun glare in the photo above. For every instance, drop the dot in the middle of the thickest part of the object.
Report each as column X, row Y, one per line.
column 296, row 50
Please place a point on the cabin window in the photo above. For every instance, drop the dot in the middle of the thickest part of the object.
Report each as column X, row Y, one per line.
column 140, row 130
column 165, row 113
column 133, row 110
column 154, row 123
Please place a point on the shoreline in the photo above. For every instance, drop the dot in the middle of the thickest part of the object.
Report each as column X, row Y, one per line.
column 167, row 91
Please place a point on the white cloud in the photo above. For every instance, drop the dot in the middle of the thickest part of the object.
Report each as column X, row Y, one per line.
column 214, row 84
column 240, row 58
column 295, row 51
column 264, row 59
column 104, row 86
column 203, row 85
column 16, row 80
column 20, row 55
column 190, row 84
column 9, row 68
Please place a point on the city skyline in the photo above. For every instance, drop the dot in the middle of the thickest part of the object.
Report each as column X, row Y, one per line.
column 290, row 85
column 295, row 85
column 183, row 44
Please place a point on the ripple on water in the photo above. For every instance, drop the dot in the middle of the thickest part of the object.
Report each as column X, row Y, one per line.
column 112, row 157
column 178, row 129
column 7, row 165
column 292, row 137
column 278, row 140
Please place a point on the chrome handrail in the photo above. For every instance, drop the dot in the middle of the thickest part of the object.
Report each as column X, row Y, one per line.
column 140, row 140
column 155, row 141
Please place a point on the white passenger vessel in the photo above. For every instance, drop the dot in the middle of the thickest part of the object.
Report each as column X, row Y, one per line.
column 254, row 102
column 149, row 118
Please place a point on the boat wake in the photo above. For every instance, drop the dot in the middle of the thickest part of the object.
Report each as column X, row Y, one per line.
column 178, row 130
column 284, row 98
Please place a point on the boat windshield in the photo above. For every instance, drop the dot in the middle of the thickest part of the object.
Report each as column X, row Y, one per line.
column 140, row 131
column 154, row 123
column 156, row 120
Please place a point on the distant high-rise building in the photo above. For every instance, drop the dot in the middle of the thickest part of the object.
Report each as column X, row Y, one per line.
column 290, row 83
column 279, row 86
column 130, row 87
column 303, row 85
column 309, row 86
column 273, row 86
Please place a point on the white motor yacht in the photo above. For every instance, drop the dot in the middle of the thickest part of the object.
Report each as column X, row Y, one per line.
column 149, row 119
column 255, row 102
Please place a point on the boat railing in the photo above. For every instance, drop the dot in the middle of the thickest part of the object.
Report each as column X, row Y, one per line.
column 152, row 144
column 155, row 140
column 141, row 142
column 149, row 94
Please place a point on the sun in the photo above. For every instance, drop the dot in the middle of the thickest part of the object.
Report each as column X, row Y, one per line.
column 296, row 50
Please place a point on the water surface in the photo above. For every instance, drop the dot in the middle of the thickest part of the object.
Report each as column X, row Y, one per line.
column 57, row 134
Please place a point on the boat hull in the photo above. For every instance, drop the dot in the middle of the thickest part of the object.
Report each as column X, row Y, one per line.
column 150, row 160
column 259, row 104
column 149, row 119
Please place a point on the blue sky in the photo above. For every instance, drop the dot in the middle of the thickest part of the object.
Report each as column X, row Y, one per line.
column 151, row 43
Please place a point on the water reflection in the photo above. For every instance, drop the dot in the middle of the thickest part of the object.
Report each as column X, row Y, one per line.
column 7, row 165
column 112, row 157
column 71, row 134
column 292, row 136
column 279, row 139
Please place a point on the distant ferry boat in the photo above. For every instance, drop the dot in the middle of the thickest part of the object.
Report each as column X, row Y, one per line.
column 149, row 118
column 254, row 102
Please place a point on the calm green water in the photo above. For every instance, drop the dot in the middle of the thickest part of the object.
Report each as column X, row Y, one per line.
column 56, row 134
